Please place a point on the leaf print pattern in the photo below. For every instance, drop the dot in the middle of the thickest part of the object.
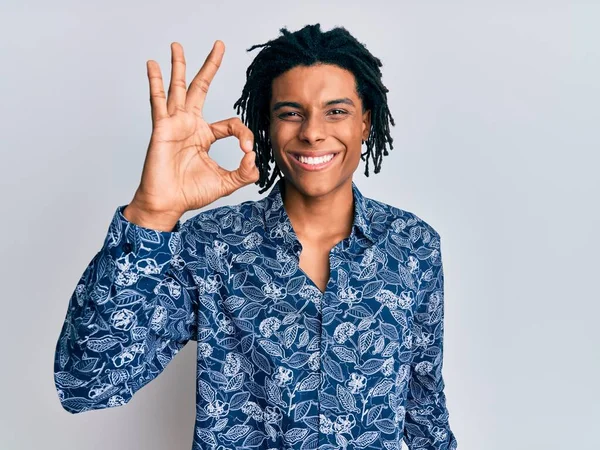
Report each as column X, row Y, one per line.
column 280, row 364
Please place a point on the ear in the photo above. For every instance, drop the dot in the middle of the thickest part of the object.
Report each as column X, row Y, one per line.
column 366, row 125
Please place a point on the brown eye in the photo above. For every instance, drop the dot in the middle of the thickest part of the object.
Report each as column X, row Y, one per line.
column 287, row 114
column 340, row 110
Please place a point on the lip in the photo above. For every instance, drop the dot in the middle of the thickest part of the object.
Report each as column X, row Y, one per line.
column 313, row 167
column 316, row 154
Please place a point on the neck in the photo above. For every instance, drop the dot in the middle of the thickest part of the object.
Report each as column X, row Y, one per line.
column 319, row 219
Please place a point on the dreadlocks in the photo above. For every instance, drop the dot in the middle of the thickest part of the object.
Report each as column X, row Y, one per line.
column 307, row 47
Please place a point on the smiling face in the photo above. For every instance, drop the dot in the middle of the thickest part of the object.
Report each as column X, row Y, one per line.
column 316, row 111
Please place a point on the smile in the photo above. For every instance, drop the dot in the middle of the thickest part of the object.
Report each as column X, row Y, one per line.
column 312, row 164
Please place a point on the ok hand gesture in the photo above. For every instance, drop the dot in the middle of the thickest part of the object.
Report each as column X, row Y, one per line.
column 178, row 173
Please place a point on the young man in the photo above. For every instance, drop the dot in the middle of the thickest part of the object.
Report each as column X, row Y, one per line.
column 318, row 312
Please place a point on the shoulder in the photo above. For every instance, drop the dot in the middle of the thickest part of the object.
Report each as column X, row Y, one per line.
column 403, row 224
column 225, row 219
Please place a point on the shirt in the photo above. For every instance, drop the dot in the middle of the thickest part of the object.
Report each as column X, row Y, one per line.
column 280, row 364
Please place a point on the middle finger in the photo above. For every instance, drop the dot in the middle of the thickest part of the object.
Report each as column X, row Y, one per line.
column 177, row 86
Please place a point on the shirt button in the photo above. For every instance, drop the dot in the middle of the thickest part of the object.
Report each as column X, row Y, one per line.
column 126, row 247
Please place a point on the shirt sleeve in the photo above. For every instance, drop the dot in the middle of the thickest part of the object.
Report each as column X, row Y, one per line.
column 132, row 310
column 426, row 421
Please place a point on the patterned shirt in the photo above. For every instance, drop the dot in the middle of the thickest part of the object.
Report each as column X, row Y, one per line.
column 280, row 364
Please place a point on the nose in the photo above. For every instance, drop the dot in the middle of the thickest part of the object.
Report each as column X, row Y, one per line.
column 312, row 130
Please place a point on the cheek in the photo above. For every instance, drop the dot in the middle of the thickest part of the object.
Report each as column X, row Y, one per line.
column 277, row 143
column 352, row 140
column 279, row 135
column 350, row 133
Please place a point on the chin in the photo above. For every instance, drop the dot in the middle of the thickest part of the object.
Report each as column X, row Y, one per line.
column 316, row 186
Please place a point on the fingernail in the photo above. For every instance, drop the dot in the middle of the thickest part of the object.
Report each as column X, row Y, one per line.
column 248, row 145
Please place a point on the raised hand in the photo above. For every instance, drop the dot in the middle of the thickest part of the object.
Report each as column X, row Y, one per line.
column 178, row 173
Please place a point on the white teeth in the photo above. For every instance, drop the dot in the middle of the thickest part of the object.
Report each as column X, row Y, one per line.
column 319, row 160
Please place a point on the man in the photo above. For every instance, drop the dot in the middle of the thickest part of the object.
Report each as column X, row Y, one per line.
column 318, row 312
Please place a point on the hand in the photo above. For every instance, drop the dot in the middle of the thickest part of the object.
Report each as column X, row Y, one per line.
column 178, row 173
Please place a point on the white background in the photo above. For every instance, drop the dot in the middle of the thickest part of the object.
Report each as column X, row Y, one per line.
column 496, row 145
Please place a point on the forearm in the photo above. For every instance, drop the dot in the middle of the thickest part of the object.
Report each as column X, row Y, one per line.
column 122, row 323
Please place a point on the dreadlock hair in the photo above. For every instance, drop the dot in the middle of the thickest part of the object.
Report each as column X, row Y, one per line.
column 305, row 47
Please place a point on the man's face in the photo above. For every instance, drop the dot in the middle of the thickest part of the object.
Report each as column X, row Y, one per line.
column 302, row 121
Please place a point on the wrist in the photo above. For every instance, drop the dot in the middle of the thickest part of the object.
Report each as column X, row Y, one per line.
column 160, row 221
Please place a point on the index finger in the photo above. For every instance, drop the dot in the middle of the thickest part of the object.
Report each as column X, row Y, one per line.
column 234, row 127
column 199, row 85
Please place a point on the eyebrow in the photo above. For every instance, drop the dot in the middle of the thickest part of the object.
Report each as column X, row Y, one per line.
column 344, row 100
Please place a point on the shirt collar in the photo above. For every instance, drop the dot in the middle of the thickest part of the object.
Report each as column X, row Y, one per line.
column 279, row 227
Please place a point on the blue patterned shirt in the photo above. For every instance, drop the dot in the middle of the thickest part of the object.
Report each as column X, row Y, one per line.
column 280, row 364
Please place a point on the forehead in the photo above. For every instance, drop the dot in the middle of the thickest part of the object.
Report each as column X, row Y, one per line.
column 314, row 84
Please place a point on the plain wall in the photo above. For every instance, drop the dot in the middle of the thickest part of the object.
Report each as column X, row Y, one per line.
column 496, row 145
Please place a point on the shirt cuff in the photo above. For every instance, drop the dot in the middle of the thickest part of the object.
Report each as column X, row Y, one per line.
column 127, row 241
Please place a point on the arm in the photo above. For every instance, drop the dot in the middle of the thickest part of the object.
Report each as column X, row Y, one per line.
column 132, row 310
column 426, row 424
